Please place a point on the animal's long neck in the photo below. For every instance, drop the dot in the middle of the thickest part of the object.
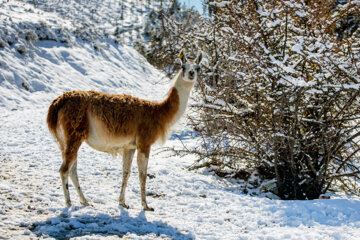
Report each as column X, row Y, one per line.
column 183, row 88
column 173, row 107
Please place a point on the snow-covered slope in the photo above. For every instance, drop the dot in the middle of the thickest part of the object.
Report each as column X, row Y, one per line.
column 53, row 68
column 32, row 68
column 188, row 204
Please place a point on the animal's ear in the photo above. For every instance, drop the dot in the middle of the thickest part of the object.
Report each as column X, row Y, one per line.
column 182, row 57
column 199, row 57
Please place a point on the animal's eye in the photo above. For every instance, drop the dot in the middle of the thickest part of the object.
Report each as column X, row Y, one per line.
column 197, row 67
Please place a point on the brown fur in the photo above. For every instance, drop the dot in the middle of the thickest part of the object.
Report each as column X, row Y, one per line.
column 123, row 115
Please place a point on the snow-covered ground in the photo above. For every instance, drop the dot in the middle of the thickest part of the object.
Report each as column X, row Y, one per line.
column 188, row 204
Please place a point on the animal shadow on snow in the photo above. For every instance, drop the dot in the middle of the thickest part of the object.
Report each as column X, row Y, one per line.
column 69, row 225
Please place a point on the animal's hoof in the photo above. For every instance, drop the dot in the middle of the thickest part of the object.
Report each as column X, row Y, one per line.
column 68, row 204
column 147, row 208
column 86, row 204
column 124, row 205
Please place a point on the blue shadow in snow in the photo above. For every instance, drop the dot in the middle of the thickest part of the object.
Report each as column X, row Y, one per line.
column 184, row 135
column 330, row 212
column 65, row 226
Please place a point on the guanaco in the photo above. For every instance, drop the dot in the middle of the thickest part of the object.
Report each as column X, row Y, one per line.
column 117, row 124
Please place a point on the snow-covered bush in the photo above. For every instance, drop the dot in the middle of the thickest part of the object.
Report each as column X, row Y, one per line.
column 31, row 36
column 282, row 94
column 45, row 32
column 279, row 93
column 20, row 48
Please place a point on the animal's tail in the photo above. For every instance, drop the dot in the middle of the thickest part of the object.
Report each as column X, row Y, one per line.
column 52, row 117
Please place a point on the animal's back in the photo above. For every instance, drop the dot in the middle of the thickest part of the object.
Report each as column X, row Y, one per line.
column 120, row 113
column 75, row 111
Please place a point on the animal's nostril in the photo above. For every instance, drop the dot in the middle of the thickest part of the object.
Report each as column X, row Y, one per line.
column 191, row 73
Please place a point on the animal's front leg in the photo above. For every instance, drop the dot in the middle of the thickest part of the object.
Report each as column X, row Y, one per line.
column 75, row 179
column 142, row 161
column 127, row 160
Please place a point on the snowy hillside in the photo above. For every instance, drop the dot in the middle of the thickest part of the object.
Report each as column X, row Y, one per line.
column 188, row 204
column 48, row 53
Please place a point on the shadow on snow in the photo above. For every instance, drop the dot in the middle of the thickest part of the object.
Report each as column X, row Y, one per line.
column 184, row 135
column 66, row 226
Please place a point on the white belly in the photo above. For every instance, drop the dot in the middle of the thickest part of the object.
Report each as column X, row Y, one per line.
column 102, row 140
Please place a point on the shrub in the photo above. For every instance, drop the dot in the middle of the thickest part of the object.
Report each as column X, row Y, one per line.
column 279, row 93
column 283, row 95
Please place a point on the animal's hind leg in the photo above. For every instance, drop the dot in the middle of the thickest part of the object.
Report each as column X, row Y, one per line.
column 69, row 157
column 65, row 183
column 127, row 160
column 75, row 180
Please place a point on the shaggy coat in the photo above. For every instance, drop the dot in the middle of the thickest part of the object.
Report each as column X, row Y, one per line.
column 117, row 124
column 122, row 115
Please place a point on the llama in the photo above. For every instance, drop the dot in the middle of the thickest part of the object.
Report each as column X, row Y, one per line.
column 117, row 124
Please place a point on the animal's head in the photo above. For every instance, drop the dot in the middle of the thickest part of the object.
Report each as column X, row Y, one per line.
column 190, row 68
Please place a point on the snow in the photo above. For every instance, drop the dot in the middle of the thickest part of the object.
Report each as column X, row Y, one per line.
column 299, row 46
column 188, row 204
column 301, row 13
column 220, row 4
